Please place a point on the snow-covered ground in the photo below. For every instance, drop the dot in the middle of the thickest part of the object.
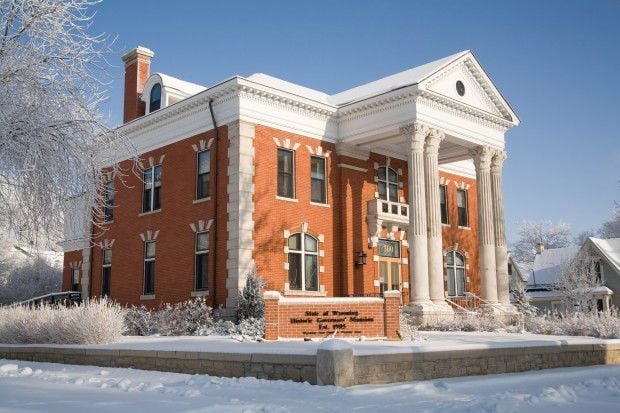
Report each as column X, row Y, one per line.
column 51, row 388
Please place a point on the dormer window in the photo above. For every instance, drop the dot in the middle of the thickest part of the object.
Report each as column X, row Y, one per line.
column 155, row 101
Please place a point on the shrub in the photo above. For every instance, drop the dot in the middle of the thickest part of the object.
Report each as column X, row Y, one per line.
column 593, row 324
column 251, row 301
column 140, row 321
column 95, row 322
column 185, row 318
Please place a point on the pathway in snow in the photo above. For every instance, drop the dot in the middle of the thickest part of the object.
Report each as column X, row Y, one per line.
column 51, row 388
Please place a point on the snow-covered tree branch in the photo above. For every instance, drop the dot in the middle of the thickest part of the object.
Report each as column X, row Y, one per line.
column 52, row 81
column 532, row 233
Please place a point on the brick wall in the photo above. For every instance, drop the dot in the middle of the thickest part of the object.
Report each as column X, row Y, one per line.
column 339, row 317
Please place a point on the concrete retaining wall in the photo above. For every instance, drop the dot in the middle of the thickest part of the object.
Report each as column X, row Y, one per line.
column 367, row 368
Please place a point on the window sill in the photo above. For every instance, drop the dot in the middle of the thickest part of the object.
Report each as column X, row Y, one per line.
column 201, row 200
column 149, row 212
column 445, row 225
column 145, row 297
column 466, row 228
column 201, row 293
column 282, row 198
column 319, row 204
column 302, row 293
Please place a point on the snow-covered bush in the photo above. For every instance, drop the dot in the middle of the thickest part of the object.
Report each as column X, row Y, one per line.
column 95, row 322
column 185, row 318
column 593, row 324
column 248, row 329
column 140, row 321
column 251, row 301
column 477, row 321
column 408, row 330
column 521, row 301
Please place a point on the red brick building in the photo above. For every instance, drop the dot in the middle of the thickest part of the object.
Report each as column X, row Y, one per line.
column 395, row 184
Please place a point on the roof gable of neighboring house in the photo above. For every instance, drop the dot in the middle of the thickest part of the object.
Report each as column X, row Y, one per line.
column 549, row 265
column 608, row 249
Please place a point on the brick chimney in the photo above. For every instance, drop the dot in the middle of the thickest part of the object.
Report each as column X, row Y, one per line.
column 137, row 68
column 540, row 247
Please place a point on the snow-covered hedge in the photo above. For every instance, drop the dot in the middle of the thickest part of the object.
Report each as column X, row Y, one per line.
column 593, row 324
column 95, row 322
column 189, row 318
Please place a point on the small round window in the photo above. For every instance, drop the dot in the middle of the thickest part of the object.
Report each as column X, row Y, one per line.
column 460, row 88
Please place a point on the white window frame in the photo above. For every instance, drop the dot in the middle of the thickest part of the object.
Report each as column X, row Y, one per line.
column 454, row 267
column 148, row 259
column 293, row 174
column 198, row 174
column 104, row 266
column 302, row 252
column 466, row 192
column 201, row 252
column 152, row 197
column 324, row 159
column 387, row 183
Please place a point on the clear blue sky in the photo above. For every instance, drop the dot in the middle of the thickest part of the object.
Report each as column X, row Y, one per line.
column 557, row 62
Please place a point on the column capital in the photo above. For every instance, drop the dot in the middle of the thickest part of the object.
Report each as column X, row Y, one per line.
column 482, row 157
column 497, row 161
column 433, row 140
column 416, row 134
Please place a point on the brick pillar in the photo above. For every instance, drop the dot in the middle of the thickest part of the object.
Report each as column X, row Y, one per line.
column 272, row 315
column 391, row 314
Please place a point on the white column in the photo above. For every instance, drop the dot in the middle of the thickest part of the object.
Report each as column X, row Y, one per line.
column 418, row 263
column 433, row 216
column 501, row 253
column 486, row 236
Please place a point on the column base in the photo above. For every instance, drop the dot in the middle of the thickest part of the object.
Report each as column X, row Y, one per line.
column 506, row 313
column 427, row 313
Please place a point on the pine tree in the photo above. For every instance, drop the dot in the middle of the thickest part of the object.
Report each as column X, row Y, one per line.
column 522, row 302
column 251, row 301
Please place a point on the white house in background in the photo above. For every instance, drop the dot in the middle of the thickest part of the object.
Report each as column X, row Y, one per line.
column 550, row 264
column 517, row 275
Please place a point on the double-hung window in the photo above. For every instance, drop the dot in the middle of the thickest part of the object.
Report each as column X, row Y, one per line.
column 152, row 189
column 387, row 184
column 204, row 174
column 286, row 173
column 455, row 268
column 149, row 267
column 202, row 261
column 106, row 271
column 461, row 199
column 303, row 262
column 75, row 278
column 317, row 180
column 443, row 203
column 108, row 201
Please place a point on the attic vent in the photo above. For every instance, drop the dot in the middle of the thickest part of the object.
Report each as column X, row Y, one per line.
column 460, row 88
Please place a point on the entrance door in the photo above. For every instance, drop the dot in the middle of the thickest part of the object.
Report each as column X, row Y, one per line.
column 389, row 265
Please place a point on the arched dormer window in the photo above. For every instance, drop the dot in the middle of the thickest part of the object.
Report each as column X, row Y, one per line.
column 387, row 184
column 155, row 98
column 455, row 272
column 303, row 262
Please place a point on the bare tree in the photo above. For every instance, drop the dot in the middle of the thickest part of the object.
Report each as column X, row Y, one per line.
column 53, row 142
column 532, row 233
column 611, row 228
column 578, row 280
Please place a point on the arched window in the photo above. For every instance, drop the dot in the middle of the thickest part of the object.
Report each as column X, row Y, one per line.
column 303, row 262
column 155, row 101
column 387, row 184
column 455, row 268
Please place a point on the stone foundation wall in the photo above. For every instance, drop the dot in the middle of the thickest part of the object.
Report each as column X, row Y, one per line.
column 332, row 369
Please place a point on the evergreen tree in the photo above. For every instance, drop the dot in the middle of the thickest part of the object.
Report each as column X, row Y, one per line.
column 251, row 301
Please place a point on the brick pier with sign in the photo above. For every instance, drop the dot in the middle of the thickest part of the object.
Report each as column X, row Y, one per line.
column 343, row 317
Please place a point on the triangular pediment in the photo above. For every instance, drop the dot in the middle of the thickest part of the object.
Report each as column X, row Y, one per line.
column 465, row 81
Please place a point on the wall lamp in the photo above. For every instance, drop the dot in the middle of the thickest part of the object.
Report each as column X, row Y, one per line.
column 361, row 258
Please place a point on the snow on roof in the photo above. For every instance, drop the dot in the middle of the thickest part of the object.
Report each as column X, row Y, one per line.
column 182, row 86
column 406, row 78
column 548, row 265
column 396, row 81
column 610, row 249
column 289, row 87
